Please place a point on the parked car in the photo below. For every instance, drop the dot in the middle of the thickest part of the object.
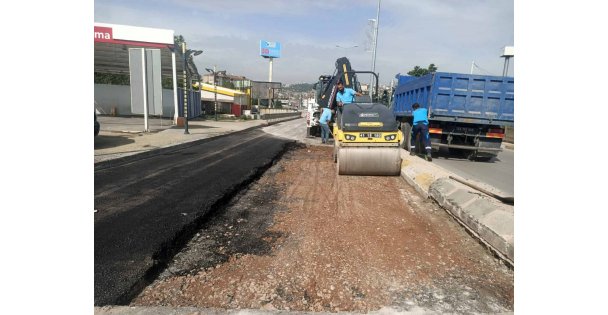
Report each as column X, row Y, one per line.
column 97, row 126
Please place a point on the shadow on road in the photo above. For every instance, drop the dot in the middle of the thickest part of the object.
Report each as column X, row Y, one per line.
column 194, row 127
column 104, row 142
column 464, row 156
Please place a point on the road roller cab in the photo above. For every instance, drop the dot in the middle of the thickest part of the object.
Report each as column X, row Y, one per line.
column 367, row 123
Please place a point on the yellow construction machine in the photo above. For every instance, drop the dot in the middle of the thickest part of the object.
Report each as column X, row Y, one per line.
column 366, row 133
column 366, row 140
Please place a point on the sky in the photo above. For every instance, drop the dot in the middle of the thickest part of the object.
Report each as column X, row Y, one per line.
column 449, row 33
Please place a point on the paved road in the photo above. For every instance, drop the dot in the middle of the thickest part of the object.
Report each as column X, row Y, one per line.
column 293, row 129
column 146, row 209
column 497, row 173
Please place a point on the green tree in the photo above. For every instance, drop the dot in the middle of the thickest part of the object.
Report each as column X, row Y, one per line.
column 300, row 87
column 384, row 98
column 112, row 78
column 178, row 40
column 418, row 72
column 228, row 84
column 167, row 83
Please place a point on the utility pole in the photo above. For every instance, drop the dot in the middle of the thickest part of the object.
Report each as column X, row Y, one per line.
column 185, row 88
column 270, row 80
column 390, row 96
column 508, row 53
column 270, row 70
column 505, row 69
column 371, row 89
column 214, row 72
column 472, row 65
column 215, row 91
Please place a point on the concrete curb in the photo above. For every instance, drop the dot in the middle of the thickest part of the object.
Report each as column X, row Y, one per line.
column 486, row 218
column 419, row 173
column 176, row 147
column 410, row 178
column 490, row 220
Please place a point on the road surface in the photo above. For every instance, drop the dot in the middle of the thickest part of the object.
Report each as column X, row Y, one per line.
column 300, row 231
column 304, row 239
column 497, row 173
column 293, row 129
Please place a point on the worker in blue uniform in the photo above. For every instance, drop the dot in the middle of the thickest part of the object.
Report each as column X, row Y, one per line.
column 323, row 122
column 421, row 127
column 345, row 95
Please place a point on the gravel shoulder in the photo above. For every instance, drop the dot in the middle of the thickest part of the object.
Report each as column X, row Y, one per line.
column 301, row 238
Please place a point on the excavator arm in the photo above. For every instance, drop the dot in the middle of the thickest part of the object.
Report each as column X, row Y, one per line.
column 344, row 73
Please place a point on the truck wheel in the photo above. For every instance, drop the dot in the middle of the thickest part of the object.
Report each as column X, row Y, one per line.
column 406, row 129
column 443, row 151
column 484, row 158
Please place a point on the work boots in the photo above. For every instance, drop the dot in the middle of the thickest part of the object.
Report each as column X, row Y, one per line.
column 428, row 155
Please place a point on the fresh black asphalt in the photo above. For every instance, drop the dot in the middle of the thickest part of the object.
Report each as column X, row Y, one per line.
column 148, row 209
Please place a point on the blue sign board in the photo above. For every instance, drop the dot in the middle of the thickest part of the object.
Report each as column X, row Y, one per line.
column 270, row 49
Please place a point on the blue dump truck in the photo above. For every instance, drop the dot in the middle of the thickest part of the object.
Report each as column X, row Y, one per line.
column 467, row 113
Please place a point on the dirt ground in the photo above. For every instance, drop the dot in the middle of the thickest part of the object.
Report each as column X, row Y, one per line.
column 303, row 238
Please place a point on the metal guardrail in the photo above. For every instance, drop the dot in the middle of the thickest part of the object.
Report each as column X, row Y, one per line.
column 271, row 117
column 264, row 111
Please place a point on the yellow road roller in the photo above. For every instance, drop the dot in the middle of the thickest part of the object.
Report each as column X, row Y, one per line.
column 367, row 140
column 366, row 133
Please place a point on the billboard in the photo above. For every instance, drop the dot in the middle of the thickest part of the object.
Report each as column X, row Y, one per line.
column 260, row 89
column 270, row 49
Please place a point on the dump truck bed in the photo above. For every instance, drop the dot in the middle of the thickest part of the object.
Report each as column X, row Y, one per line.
column 457, row 97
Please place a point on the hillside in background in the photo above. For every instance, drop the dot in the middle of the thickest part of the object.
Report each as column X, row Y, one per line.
column 299, row 87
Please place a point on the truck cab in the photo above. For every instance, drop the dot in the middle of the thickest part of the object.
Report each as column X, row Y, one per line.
column 312, row 118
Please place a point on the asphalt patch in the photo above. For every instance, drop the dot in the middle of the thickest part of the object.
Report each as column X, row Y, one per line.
column 168, row 251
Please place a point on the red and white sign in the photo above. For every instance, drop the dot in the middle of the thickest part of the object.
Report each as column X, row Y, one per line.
column 103, row 34
column 132, row 35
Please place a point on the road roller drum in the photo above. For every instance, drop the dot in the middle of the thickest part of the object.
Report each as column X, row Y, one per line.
column 369, row 161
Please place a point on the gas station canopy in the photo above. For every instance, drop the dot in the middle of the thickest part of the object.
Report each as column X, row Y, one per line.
column 112, row 43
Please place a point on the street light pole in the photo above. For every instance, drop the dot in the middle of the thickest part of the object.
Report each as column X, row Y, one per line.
column 215, row 72
column 185, row 88
column 215, row 91
column 371, row 89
